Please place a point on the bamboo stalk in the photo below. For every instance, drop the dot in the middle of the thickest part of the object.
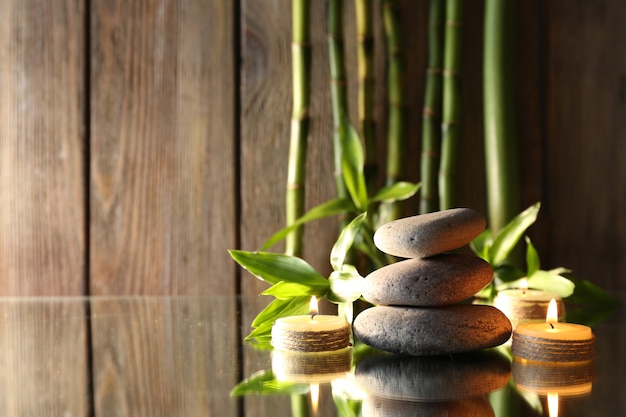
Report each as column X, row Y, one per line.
column 301, row 67
column 431, row 118
column 395, row 167
column 451, row 104
column 365, row 99
column 338, row 93
column 501, row 159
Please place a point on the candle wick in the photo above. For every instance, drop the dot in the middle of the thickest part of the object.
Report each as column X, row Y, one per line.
column 551, row 325
column 313, row 315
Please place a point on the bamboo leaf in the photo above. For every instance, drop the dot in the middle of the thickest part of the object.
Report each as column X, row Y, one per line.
column 532, row 258
column 265, row 383
column 587, row 292
column 327, row 209
column 508, row 237
column 274, row 267
column 551, row 283
column 276, row 309
column 399, row 191
column 286, row 290
column 481, row 245
column 345, row 285
column 281, row 308
column 352, row 161
column 344, row 242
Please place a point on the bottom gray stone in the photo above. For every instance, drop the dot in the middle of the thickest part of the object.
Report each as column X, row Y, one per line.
column 425, row 331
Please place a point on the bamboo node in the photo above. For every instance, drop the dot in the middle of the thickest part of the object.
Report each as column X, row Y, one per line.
column 434, row 70
column 450, row 73
column 454, row 23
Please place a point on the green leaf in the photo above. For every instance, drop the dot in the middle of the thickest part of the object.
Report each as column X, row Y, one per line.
column 275, row 267
column 344, row 242
column 265, row 383
column 552, row 283
column 587, row 292
column 507, row 273
column 508, row 237
column 345, row 285
column 286, row 290
column 481, row 245
column 264, row 321
column 396, row 192
column 352, row 161
column 282, row 308
column 327, row 209
column 532, row 258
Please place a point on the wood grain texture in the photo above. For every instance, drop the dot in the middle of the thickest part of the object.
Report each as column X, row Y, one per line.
column 42, row 198
column 162, row 147
column 44, row 358
column 585, row 180
column 156, row 356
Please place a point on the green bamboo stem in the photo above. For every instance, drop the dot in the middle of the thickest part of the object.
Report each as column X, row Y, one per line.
column 338, row 94
column 301, row 64
column 365, row 96
column 395, row 167
column 431, row 117
column 501, row 159
column 451, row 104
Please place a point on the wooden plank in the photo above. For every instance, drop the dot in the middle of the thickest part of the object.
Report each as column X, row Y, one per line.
column 586, row 167
column 162, row 147
column 44, row 358
column 42, row 198
column 265, row 120
column 156, row 356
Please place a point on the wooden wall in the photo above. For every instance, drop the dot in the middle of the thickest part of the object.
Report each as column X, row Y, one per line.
column 140, row 140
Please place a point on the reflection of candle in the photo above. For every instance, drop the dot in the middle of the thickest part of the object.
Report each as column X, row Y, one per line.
column 553, row 341
column 311, row 333
column 522, row 305
column 311, row 367
column 566, row 379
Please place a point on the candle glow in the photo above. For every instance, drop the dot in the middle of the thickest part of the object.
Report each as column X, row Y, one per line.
column 553, row 405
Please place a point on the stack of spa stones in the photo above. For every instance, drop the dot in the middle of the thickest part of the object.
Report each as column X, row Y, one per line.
column 419, row 306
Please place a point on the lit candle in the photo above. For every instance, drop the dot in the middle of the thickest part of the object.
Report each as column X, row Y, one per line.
column 553, row 340
column 311, row 333
column 523, row 305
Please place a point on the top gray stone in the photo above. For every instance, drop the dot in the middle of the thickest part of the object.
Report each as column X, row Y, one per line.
column 429, row 234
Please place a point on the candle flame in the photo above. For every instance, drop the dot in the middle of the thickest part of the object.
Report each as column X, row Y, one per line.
column 523, row 284
column 553, row 404
column 313, row 310
column 315, row 397
column 553, row 313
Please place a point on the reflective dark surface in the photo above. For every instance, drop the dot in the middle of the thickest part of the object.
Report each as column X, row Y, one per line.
column 182, row 356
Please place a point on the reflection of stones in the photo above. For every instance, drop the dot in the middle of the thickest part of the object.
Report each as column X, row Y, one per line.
column 385, row 407
column 311, row 367
column 438, row 280
column 563, row 378
column 433, row 379
column 429, row 234
column 432, row 331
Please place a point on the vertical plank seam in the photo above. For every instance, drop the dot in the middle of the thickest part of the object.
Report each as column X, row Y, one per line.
column 544, row 59
column 236, row 15
column 89, row 351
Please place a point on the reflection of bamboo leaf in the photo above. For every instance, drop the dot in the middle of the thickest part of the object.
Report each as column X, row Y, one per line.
column 265, row 383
